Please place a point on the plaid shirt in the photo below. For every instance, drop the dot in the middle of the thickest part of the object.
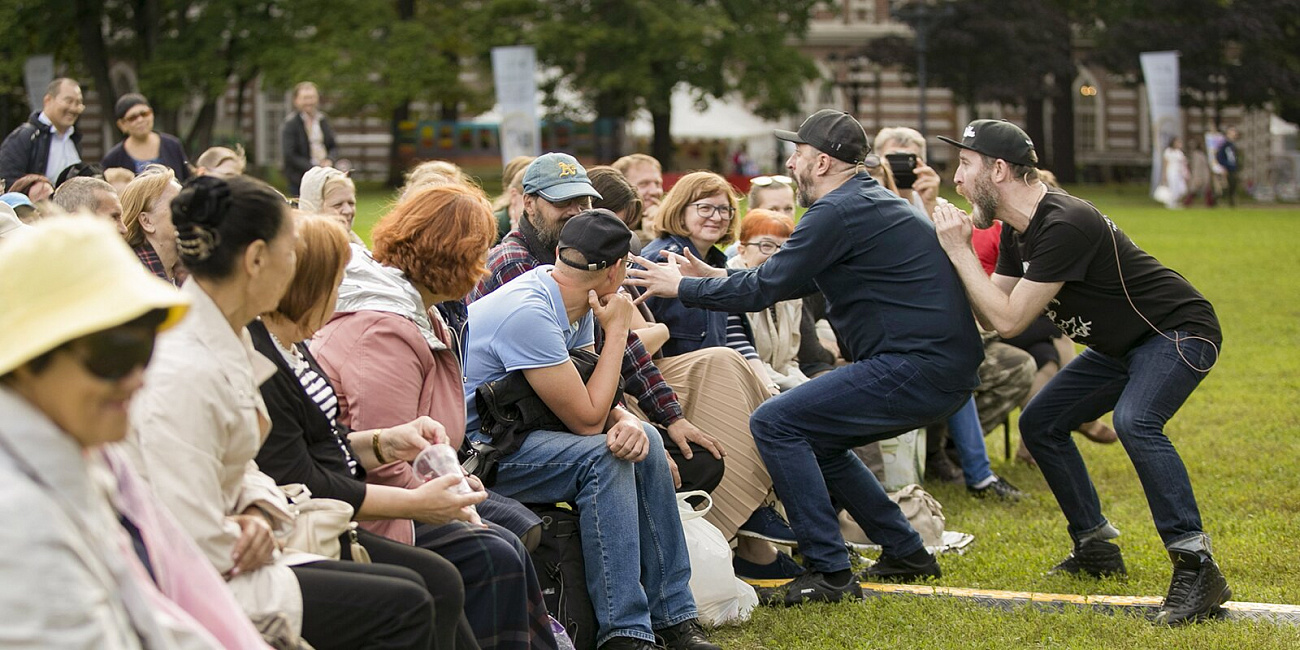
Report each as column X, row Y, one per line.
column 641, row 379
column 149, row 257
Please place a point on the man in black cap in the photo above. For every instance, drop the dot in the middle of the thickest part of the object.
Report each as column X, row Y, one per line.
column 1151, row 338
column 897, row 305
column 607, row 462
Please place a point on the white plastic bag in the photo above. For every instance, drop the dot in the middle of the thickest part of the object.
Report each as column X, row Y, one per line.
column 720, row 597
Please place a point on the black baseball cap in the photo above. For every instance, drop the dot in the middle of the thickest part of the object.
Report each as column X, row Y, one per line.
column 601, row 237
column 998, row 139
column 834, row 133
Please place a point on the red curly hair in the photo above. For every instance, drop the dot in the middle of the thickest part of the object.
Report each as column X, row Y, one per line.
column 438, row 237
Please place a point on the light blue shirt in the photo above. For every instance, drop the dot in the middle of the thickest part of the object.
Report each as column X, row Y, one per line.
column 520, row 326
column 63, row 151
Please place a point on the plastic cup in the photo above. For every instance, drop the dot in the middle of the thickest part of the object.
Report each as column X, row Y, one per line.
column 440, row 460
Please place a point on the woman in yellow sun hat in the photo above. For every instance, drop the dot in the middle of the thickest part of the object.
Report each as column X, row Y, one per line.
column 86, row 556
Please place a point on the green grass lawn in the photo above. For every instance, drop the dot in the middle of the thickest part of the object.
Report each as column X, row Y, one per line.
column 1239, row 435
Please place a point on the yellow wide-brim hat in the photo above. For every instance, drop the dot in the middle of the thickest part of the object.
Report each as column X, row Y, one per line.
column 68, row 277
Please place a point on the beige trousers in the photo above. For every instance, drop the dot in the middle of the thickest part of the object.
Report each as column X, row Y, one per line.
column 718, row 392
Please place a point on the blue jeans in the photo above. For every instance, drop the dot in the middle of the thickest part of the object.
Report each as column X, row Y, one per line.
column 631, row 530
column 968, row 436
column 1144, row 388
column 806, row 437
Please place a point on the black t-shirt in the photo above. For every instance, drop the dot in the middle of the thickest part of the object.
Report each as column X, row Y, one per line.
column 1068, row 240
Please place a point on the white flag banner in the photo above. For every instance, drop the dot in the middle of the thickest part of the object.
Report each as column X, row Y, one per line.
column 1160, row 71
column 514, row 71
column 38, row 72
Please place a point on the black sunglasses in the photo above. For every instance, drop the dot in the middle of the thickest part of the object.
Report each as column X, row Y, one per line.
column 116, row 352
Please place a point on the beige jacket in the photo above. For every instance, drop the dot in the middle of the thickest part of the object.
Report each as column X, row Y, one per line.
column 196, row 426
column 776, row 337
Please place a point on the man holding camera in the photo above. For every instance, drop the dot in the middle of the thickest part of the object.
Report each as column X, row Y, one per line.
column 1007, row 372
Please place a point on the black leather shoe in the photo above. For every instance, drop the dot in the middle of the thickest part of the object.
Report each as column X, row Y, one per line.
column 627, row 643
column 1097, row 558
column 939, row 468
column 687, row 635
column 1197, row 591
column 920, row 565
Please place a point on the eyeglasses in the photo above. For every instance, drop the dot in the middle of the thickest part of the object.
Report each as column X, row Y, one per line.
column 115, row 353
column 767, row 247
column 711, row 211
column 872, row 161
column 581, row 202
column 764, row 181
column 138, row 116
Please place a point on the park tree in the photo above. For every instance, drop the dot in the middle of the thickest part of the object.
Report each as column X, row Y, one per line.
column 1009, row 52
column 1238, row 52
column 625, row 55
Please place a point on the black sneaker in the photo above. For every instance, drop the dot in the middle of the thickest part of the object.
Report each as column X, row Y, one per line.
column 998, row 489
column 939, row 469
column 1197, row 591
column 783, row 568
column 627, row 643
column 814, row 587
column 1097, row 558
column 687, row 635
column 920, row 565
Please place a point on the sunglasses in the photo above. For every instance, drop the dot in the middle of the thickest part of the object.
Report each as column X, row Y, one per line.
column 764, row 181
column 872, row 161
column 116, row 352
column 137, row 116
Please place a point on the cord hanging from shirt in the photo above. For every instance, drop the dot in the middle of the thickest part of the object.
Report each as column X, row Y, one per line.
column 1177, row 338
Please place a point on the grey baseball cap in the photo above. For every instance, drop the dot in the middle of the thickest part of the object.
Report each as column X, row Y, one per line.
column 558, row 177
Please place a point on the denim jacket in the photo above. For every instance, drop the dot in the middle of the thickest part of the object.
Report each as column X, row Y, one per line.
column 689, row 328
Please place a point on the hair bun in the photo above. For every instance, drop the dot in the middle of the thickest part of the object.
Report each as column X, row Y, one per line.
column 197, row 213
column 203, row 202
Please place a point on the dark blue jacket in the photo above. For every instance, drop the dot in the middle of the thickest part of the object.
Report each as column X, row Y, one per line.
column 1227, row 155
column 889, row 287
column 26, row 150
column 689, row 328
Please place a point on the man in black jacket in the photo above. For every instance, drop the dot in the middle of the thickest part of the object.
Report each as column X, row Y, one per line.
column 46, row 143
column 306, row 138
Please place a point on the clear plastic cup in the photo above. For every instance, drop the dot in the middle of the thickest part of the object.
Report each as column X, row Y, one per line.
column 440, row 460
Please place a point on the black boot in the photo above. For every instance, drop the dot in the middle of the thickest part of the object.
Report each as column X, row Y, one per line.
column 1197, row 591
column 1097, row 558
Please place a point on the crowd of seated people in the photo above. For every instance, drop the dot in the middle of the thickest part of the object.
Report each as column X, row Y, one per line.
column 252, row 356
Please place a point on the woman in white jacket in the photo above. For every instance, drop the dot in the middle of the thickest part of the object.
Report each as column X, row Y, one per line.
column 200, row 420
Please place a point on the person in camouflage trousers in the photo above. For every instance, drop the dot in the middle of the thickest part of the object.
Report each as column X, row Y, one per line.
column 1006, row 376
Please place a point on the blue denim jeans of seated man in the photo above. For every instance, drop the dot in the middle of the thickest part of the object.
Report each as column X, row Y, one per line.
column 628, row 518
column 1144, row 389
column 806, row 437
column 968, row 437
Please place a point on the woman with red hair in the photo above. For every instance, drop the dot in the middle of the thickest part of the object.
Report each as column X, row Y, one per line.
column 392, row 352
column 775, row 329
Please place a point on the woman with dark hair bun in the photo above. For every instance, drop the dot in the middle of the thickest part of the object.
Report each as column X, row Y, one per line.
column 200, row 420
column 143, row 146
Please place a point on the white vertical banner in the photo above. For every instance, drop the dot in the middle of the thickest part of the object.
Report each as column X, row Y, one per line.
column 514, row 71
column 38, row 72
column 1160, row 72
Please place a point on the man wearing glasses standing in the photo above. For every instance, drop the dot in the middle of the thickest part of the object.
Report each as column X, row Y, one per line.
column 892, row 294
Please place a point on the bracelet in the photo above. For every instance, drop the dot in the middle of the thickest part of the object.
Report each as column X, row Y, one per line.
column 374, row 445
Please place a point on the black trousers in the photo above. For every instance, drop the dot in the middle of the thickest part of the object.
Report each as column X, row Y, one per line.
column 451, row 631
column 351, row 606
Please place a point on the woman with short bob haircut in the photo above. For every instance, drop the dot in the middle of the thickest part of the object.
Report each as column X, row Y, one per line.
column 200, row 420
column 391, row 353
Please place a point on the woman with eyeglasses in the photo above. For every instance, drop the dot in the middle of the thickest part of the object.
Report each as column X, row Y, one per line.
column 775, row 329
column 695, row 217
column 200, row 420
column 88, row 557
column 143, row 146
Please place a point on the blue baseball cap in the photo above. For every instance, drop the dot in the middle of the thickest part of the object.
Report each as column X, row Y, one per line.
column 16, row 199
column 558, row 177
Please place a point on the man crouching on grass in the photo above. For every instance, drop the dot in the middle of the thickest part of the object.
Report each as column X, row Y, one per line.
column 1151, row 339
column 638, row 570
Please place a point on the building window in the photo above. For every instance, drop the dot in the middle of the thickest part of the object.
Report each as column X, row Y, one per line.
column 1088, row 113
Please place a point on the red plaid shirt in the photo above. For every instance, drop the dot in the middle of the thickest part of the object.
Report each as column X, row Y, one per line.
column 149, row 257
column 641, row 379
